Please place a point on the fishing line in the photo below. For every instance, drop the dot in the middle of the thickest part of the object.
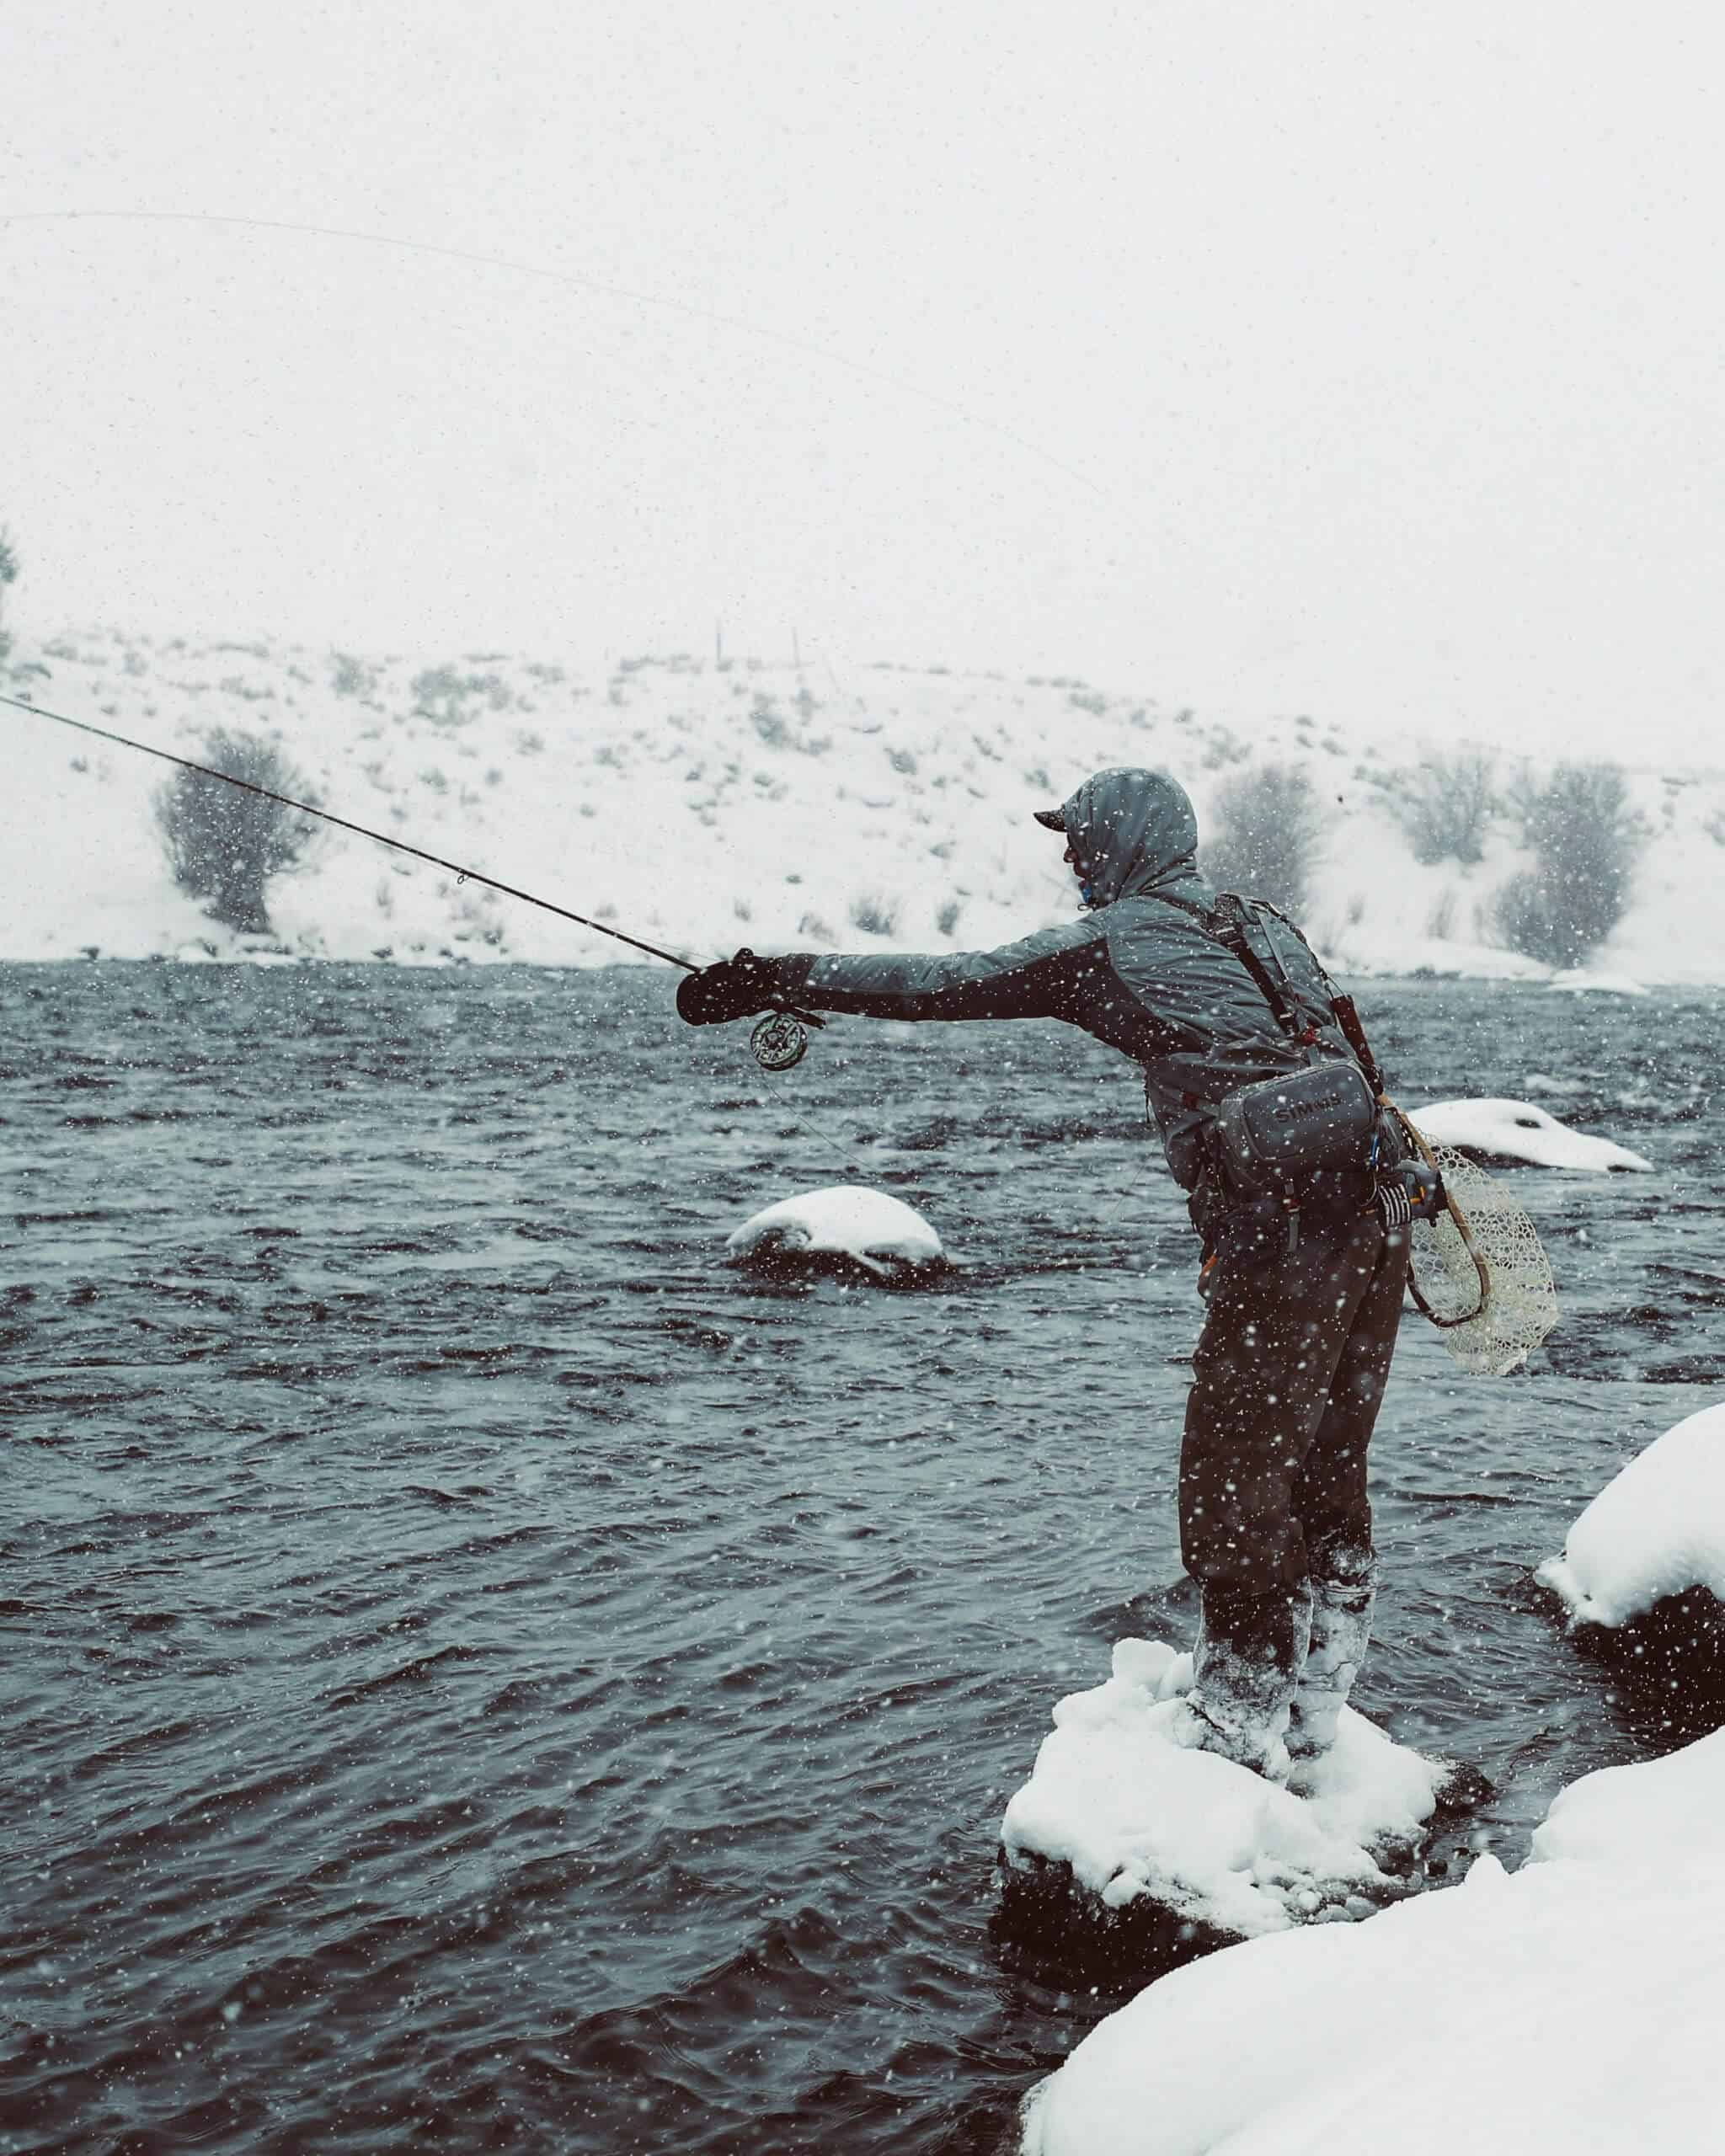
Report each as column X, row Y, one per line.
column 780, row 1040
column 777, row 1042
column 576, row 282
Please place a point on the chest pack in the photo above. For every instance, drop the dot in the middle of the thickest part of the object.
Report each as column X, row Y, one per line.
column 1282, row 1137
column 1278, row 1135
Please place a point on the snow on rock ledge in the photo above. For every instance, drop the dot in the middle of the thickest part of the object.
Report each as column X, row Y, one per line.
column 1573, row 2005
column 1578, row 981
column 1642, row 1573
column 848, row 1225
column 1516, row 1130
column 1126, row 1851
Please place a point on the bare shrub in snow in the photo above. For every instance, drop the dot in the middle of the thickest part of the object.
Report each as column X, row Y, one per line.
column 1224, row 747
column 8, row 576
column 947, row 920
column 1585, row 839
column 875, row 916
column 350, row 677
column 770, row 723
column 1445, row 806
column 444, row 695
column 1267, row 846
column 224, row 845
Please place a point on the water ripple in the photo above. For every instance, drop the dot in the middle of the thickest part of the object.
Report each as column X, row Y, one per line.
column 480, row 1673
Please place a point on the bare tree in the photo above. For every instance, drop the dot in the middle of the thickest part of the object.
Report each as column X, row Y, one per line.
column 1267, row 846
column 1445, row 806
column 1585, row 839
column 224, row 845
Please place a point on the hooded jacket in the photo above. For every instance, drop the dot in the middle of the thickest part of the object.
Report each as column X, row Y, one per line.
column 1139, row 969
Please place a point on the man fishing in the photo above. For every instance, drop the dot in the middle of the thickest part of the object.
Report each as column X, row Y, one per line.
column 1303, row 1266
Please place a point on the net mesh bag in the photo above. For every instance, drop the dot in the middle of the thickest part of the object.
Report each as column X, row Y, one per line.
column 1479, row 1272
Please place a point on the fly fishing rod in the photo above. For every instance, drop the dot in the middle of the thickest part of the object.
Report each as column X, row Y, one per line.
column 778, row 1042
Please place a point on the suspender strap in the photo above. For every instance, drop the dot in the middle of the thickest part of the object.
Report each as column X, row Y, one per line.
column 1347, row 1018
column 1225, row 924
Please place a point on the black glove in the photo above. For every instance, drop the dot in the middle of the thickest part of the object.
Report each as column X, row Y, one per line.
column 1424, row 1186
column 737, row 987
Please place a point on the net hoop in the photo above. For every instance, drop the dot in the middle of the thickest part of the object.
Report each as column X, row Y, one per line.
column 1417, row 1139
column 1477, row 1270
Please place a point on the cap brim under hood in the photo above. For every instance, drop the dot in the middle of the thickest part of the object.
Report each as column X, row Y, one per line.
column 1129, row 829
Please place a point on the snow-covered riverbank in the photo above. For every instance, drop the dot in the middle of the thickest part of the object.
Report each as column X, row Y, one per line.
column 705, row 804
column 1572, row 2005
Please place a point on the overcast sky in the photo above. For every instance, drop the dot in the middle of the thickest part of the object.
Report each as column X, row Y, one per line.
column 1358, row 359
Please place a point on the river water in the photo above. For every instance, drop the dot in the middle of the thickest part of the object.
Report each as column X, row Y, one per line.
column 481, row 1674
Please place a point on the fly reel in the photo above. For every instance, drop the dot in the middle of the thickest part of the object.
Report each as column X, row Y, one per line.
column 779, row 1042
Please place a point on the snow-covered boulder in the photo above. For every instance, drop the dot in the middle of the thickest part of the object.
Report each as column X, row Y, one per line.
column 1642, row 1578
column 1127, row 1850
column 1658, row 1527
column 1516, row 1130
column 846, row 1226
column 1574, row 2004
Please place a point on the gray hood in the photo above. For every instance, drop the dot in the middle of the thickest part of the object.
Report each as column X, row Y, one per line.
column 1130, row 832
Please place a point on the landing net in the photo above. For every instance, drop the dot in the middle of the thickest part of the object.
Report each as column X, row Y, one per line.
column 1479, row 1272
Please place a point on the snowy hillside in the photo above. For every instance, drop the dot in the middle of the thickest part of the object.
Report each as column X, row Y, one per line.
column 702, row 804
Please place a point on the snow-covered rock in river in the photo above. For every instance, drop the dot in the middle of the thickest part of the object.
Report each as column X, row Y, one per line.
column 1573, row 2005
column 1126, row 1850
column 846, row 1224
column 1642, row 1573
column 1516, row 1130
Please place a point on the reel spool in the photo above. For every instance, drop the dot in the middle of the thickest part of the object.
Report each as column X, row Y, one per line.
column 779, row 1042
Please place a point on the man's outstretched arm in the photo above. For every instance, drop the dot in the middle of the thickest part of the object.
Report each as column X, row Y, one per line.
column 1055, row 973
column 1043, row 976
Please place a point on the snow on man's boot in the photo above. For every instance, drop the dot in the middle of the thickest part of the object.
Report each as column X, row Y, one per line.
column 1341, row 1629
column 1244, row 1669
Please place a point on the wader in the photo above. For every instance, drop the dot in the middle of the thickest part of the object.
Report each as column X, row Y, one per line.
column 1287, row 1379
column 1275, row 1521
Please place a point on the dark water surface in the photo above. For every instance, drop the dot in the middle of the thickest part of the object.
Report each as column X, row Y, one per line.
column 479, row 1675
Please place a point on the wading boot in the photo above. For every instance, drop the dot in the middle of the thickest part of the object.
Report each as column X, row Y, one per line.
column 1244, row 1669
column 1341, row 1629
